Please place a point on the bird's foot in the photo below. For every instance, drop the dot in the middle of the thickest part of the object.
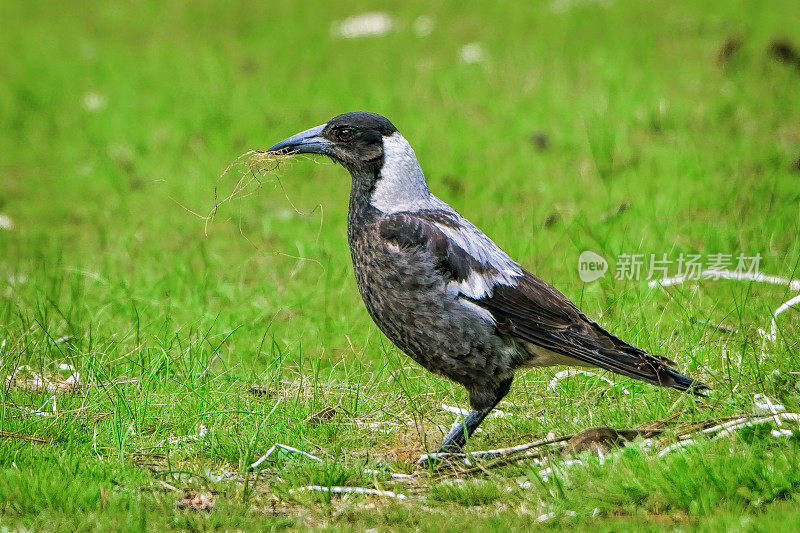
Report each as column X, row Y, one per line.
column 445, row 454
column 453, row 443
column 438, row 459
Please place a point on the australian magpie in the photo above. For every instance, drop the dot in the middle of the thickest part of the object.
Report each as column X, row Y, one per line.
column 443, row 292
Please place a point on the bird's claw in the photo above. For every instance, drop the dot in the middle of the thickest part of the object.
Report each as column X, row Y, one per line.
column 441, row 457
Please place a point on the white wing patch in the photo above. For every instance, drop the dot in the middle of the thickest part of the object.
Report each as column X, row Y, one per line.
column 486, row 252
column 478, row 310
column 476, row 285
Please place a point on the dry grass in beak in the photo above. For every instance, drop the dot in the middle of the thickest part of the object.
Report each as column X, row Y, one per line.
column 264, row 162
column 251, row 166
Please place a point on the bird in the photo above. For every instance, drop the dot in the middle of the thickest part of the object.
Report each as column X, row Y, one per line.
column 443, row 292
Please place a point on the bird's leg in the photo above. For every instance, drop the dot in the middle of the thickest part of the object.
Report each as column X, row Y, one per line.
column 458, row 436
column 456, row 439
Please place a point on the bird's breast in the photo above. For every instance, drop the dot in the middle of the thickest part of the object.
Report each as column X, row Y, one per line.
column 416, row 307
column 395, row 283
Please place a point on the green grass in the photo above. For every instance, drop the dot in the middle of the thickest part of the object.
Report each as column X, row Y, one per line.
column 116, row 121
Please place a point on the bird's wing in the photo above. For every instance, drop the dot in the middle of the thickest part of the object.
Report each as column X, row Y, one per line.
column 538, row 313
column 522, row 305
column 458, row 249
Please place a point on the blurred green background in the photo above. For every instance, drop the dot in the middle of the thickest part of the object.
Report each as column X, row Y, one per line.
column 555, row 126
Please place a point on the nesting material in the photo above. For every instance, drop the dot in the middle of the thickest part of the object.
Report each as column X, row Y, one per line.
column 251, row 167
column 261, row 161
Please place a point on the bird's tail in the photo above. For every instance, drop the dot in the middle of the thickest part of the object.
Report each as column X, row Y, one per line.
column 657, row 370
column 683, row 383
column 634, row 362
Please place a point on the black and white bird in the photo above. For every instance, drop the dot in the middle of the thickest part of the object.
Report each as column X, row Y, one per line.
column 443, row 292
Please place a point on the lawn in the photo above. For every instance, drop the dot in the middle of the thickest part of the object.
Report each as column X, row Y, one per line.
column 149, row 353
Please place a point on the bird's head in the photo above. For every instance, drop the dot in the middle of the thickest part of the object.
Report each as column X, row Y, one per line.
column 381, row 161
column 353, row 139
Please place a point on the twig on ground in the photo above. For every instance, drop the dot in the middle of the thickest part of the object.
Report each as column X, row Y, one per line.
column 40, row 411
column 675, row 446
column 394, row 475
column 773, row 329
column 499, row 452
column 350, row 490
column 545, row 473
column 203, row 431
column 717, row 429
column 278, row 446
column 167, row 486
column 777, row 414
column 546, row 517
column 496, row 413
column 732, row 275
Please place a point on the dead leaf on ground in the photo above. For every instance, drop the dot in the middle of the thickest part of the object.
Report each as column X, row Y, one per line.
column 148, row 459
column 540, row 140
column 784, row 51
column 729, row 48
column 551, row 219
column 25, row 378
column 260, row 391
column 161, row 486
column 195, row 501
column 322, row 416
column 599, row 438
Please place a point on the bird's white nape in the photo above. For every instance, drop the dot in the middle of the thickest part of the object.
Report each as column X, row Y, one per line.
column 401, row 186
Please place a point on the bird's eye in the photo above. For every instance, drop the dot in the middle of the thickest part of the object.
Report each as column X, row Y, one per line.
column 344, row 134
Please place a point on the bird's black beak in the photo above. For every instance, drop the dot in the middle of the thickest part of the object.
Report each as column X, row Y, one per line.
column 305, row 142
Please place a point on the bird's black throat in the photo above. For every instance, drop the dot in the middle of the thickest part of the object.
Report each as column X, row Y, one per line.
column 361, row 212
